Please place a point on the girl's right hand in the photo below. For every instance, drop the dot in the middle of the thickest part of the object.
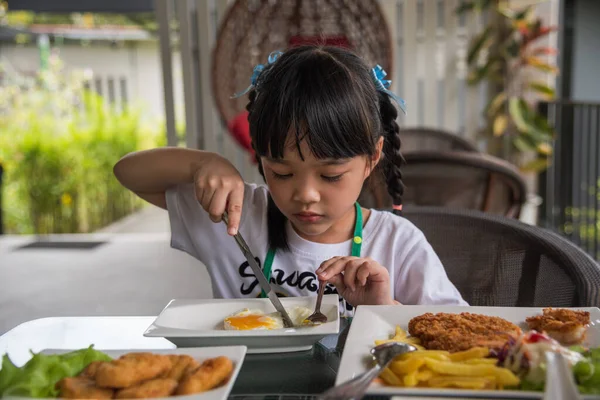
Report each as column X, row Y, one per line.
column 219, row 188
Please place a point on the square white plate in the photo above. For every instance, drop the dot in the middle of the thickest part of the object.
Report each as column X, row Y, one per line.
column 371, row 323
column 234, row 353
column 195, row 323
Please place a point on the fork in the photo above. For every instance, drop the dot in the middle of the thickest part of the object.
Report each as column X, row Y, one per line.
column 559, row 378
column 317, row 317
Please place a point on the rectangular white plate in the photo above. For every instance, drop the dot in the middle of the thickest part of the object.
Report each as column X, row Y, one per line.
column 195, row 323
column 234, row 353
column 378, row 322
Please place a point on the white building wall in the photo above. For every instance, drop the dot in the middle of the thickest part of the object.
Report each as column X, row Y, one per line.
column 136, row 63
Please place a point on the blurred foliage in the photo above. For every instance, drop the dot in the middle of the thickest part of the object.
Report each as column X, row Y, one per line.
column 23, row 19
column 582, row 224
column 504, row 55
column 58, row 144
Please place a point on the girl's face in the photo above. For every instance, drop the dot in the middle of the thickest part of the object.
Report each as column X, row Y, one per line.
column 316, row 195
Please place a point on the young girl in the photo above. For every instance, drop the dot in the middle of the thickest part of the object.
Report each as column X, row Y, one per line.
column 320, row 121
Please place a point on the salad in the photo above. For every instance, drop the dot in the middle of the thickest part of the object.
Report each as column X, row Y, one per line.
column 526, row 357
column 39, row 376
column 587, row 371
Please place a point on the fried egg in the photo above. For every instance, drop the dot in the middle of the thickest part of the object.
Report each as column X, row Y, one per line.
column 248, row 319
column 254, row 319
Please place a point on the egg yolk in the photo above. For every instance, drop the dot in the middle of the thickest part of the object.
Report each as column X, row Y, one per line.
column 248, row 322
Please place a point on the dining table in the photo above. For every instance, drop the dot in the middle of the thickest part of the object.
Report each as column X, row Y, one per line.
column 301, row 375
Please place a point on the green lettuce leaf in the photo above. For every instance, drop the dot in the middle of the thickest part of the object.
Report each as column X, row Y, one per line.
column 594, row 355
column 532, row 386
column 578, row 349
column 7, row 374
column 587, row 375
column 39, row 376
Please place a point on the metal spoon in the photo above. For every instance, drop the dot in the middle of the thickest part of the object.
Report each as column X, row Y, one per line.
column 317, row 317
column 355, row 388
column 560, row 383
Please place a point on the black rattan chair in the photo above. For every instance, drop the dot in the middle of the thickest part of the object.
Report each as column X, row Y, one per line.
column 498, row 261
column 413, row 140
column 454, row 179
column 428, row 139
column 463, row 180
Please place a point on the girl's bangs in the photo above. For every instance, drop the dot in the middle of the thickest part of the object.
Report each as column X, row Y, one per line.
column 315, row 100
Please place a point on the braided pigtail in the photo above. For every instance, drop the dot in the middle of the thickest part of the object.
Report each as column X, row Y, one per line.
column 393, row 159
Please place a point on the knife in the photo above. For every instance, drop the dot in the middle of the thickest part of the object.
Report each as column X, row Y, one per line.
column 262, row 281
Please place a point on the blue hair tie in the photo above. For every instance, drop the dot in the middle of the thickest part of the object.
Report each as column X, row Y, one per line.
column 258, row 69
column 382, row 85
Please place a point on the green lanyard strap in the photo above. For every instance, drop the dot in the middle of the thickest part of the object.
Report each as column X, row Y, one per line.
column 356, row 246
column 267, row 268
column 358, row 227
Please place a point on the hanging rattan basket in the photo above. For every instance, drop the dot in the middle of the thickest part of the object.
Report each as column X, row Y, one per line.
column 254, row 28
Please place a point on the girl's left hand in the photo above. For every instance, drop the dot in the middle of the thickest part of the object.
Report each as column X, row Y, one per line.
column 360, row 281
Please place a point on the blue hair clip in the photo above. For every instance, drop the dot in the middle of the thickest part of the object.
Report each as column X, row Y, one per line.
column 377, row 73
column 258, row 69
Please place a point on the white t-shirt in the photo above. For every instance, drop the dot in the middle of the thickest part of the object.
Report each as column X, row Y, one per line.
column 416, row 273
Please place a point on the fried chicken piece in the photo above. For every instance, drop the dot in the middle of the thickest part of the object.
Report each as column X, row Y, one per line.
column 182, row 364
column 568, row 327
column 210, row 374
column 458, row 332
column 82, row 388
column 91, row 369
column 149, row 389
column 131, row 369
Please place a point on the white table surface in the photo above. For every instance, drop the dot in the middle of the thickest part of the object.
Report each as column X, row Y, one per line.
column 71, row 333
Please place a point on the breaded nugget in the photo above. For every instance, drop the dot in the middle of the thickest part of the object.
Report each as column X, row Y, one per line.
column 210, row 374
column 458, row 332
column 149, row 389
column 568, row 327
column 181, row 365
column 131, row 369
column 82, row 388
column 91, row 369
column 190, row 369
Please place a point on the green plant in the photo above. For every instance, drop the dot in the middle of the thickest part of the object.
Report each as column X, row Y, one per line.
column 583, row 223
column 23, row 18
column 58, row 143
column 505, row 55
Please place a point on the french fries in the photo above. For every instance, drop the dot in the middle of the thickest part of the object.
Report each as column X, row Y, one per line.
column 402, row 337
column 470, row 369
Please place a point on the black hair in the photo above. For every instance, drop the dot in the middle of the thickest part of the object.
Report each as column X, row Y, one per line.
column 327, row 97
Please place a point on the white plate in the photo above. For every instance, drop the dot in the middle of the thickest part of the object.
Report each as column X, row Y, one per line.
column 379, row 322
column 234, row 353
column 195, row 323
